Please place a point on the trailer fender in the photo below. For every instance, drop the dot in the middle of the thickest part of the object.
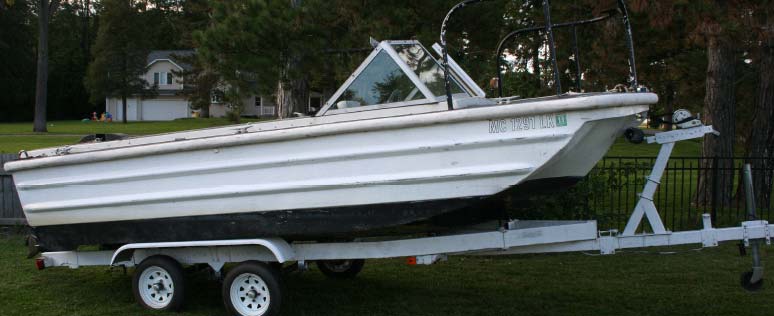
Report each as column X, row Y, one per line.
column 279, row 248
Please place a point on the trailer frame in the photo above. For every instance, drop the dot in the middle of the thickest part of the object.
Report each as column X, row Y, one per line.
column 515, row 237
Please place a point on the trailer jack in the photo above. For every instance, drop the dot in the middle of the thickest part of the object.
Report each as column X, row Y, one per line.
column 752, row 280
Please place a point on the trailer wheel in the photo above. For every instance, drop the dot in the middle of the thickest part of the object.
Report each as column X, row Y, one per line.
column 252, row 289
column 158, row 284
column 341, row 269
column 747, row 285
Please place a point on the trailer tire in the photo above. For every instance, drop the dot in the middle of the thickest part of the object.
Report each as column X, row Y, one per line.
column 341, row 269
column 158, row 284
column 252, row 289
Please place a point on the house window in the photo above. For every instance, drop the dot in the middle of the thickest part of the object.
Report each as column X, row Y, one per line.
column 216, row 96
column 258, row 100
column 162, row 78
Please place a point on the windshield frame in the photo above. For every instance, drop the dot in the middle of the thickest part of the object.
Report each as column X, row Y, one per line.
column 386, row 46
column 462, row 77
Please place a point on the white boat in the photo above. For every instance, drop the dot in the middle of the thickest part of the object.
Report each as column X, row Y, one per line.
column 384, row 151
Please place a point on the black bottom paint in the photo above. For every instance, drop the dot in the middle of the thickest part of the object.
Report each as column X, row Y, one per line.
column 495, row 207
column 306, row 224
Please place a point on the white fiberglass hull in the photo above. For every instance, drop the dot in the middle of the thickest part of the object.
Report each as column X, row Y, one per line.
column 474, row 152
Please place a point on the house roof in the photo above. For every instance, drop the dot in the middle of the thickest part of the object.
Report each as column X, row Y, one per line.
column 172, row 55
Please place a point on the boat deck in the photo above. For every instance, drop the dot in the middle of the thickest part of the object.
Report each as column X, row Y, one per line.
column 294, row 123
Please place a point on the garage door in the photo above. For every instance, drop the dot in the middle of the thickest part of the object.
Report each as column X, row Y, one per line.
column 164, row 110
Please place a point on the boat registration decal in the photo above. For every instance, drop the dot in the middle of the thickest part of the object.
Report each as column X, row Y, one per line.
column 527, row 123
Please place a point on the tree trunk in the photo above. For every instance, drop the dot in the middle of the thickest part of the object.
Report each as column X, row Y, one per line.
column 85, row 36
column 123, row 107
column 204, row 111
column 124, row 85
column 293, row 88
column 280, row 100
column 293, row 92
column 716, row 186
column 761, row 141
column 299, row 88
column 41, row 84
column 669, row 107
column 292, row 96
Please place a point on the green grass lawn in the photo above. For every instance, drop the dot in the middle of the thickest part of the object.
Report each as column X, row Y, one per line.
column 628, row 283
column 622, row 147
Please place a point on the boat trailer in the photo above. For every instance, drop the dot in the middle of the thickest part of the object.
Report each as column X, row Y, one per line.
column 345, row 259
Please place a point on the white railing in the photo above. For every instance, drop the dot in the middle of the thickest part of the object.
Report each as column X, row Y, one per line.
column 268, row 111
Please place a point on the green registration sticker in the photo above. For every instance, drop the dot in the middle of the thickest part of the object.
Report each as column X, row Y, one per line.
column 561, row 120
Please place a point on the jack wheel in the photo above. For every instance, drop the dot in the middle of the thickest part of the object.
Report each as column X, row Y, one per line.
column 747, row 285
column 634, row 135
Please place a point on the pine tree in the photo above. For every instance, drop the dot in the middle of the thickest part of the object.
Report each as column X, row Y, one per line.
column 17, row 43
column 119, row 55
column 68, row 97
column 199, row 82
column 259, row 45
column 199, row 79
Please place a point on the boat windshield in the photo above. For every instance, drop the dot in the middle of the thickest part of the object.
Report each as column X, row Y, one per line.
column 426, row 67
column 381, row 82
column 396, row 73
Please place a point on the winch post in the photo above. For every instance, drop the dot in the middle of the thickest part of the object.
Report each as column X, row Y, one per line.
column 645, row 205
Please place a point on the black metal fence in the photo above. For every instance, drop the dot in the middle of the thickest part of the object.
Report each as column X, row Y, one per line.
column 690, row 187
column 10, row 208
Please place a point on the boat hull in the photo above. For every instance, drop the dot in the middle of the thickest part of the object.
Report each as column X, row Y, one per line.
column 308, row 224
column 324, row 180
column 334, row 223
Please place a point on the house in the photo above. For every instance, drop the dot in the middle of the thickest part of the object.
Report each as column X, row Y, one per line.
column 169, row 103
column 260, row 106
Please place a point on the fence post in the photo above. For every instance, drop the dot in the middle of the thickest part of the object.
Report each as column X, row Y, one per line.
column 715, row 189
